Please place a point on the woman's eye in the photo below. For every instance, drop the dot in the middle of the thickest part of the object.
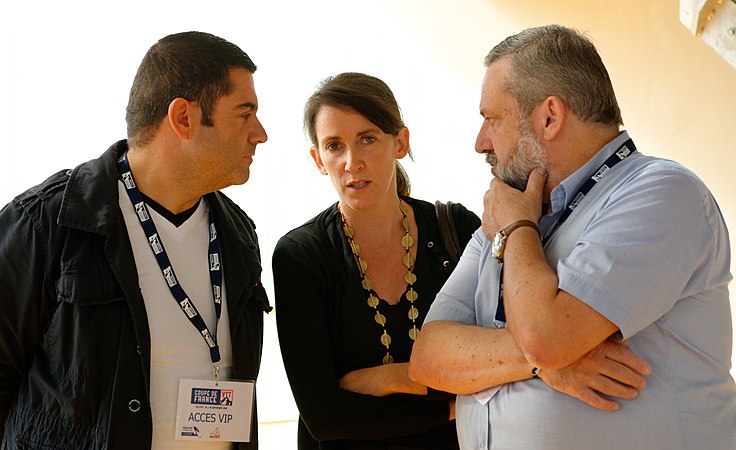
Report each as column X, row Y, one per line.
column 369, row 139
column 332, row 146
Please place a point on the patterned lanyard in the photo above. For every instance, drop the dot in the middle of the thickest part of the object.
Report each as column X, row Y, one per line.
column 157, row 246
column 626, row 149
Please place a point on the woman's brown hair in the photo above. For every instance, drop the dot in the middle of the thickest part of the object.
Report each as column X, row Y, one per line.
column 366, row 95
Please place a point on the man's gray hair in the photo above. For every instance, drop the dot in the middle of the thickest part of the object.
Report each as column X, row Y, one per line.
column 555, row 60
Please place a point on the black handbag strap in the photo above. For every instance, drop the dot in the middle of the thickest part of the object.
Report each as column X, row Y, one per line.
column 446, row 222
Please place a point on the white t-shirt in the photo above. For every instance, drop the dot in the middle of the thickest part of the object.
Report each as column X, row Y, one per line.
column 177, row 349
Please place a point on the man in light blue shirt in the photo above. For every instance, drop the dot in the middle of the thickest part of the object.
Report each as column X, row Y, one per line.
column 584, row 241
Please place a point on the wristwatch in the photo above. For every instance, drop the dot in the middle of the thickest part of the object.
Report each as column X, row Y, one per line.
column 498, row 244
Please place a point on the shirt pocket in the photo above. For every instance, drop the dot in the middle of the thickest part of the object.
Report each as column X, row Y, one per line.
column 87, row 288
column 82, row 339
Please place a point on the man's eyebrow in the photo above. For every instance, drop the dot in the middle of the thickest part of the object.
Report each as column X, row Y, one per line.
column 486, row 114
column 246, row 105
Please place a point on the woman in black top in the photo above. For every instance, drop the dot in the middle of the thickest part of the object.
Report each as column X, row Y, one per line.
column 354, row 284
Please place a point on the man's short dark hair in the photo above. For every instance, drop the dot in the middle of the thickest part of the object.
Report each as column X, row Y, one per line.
column 192, row 65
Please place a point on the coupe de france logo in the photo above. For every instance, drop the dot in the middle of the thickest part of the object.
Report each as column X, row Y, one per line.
column 602, row 171
column 155, row 244
column 578, row 198
column 623, row 152
column 128, row 180
column 214, row 261
column 220, row 397
column 140, row 209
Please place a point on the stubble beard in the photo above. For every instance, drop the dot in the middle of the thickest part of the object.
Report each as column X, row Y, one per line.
column 527, row 156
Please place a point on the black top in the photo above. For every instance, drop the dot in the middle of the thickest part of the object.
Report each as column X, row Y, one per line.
column 326, row 329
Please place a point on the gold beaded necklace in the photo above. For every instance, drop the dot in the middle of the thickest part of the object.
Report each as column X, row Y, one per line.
column 406, row 241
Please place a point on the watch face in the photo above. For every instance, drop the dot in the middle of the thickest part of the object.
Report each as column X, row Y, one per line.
column 497, row 246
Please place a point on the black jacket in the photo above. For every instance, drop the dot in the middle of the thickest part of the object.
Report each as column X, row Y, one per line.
column 326, row 329
column 74, row 336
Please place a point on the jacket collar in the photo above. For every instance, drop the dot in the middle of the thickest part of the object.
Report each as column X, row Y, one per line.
column 240, row 252
column 90, row 198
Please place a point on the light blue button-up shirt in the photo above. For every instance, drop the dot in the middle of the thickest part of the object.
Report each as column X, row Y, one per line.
column 648, row 249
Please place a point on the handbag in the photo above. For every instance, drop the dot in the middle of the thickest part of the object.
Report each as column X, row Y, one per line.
column 446, row 222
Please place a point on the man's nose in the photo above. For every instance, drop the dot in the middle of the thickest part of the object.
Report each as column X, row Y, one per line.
column 259, row 135
column 483, row 143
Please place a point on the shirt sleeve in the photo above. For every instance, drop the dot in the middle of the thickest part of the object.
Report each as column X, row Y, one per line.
column 303, row 314
column 650, row 245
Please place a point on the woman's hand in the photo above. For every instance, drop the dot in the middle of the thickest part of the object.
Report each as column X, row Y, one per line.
column 610, row 368
column 382, row 380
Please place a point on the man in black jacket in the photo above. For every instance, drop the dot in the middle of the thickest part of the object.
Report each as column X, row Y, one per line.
column 131, row 277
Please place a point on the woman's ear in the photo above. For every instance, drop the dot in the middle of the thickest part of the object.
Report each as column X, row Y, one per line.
column 403, row 140
column 180, row 117
column 314, row 153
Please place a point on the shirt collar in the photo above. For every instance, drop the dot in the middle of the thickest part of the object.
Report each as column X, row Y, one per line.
column 563, row 194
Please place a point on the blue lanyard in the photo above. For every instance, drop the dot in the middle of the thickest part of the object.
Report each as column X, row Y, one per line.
column 157, row 247
column 624, row 150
